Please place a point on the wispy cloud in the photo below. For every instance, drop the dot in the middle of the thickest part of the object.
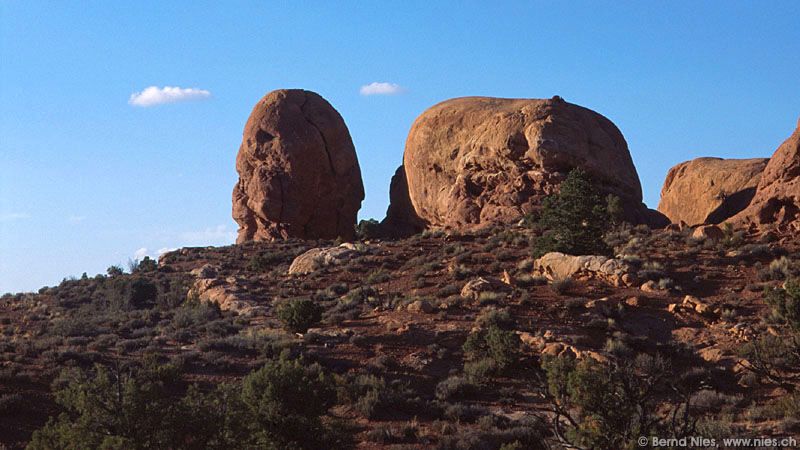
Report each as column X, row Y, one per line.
column 154, row 95
column 381, row 88
column 10, row 217
column 219, row 235
column 74, row 220
column 144, row 251
column 140, row 254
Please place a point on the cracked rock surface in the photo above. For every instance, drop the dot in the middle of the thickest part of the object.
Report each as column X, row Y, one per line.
column 480, row 160
column 298, row 172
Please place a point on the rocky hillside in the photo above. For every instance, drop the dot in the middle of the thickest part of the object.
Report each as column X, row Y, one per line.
column 403, row 327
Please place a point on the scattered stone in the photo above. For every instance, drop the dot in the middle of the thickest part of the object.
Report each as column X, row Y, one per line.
column 559, row 266
column 711, row 232
column 650, row 286
column 473, row 288
column 206, row 271
column 420, row 306
column 228, row 294
column 634, row 301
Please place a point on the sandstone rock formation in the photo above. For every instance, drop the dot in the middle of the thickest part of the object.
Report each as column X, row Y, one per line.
column 298, row 171
column 777, row 199
column 476, row 160
column 558, row 266
column 709, row 190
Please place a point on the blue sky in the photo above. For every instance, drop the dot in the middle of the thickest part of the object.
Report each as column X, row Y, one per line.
column 87, row 179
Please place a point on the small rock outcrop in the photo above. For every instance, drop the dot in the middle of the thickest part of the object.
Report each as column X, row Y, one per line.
column 709, row 190
column 558, row 266
column 473, row 289
column 298, row 171
column 479, row 160
column 317, row 258
column 777, row 199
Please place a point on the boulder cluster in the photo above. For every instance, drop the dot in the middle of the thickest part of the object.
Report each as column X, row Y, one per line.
column 758, row 194
column 476, row 161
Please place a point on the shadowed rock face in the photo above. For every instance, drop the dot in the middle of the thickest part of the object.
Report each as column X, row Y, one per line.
column 710, row 190
column 777, row 199
column 298, row 171
column 477, row 160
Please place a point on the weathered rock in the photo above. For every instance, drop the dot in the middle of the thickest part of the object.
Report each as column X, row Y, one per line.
column 225, row 293
column 649, row 286
column 711, row 232
column 317, row 258
column 709, row 190
column 777, row 199
column 298, row 171
column 473, row 289
column 558, row 266
column 205, row 271
column 479, row 160
column 423, row 306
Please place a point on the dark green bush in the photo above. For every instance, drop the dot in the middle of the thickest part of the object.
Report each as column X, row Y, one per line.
column 276, row 407
column 298, row 315
column 785, row 303
column 609, row 405
column 494, row 345
column 368, row 229
column 575, row 219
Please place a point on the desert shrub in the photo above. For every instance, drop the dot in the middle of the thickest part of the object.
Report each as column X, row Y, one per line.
column 493, row 346
column 562, row 286
column 195, row 313
column 775, row 359
column 115, row 408
column 285, row 399
column 779, row 269
column 731, row 238
column 372, row 396
column 454, row 387
column 368, row 229
column 131, row 292
column 145, row 265
column 609, row 405
column 298, row 315
column 264, row 261
column 378, row 276
column 785, row 303
column 651, row 270
column 574, row 220
column 114, row 271
column 490, row 317
column 276, row 407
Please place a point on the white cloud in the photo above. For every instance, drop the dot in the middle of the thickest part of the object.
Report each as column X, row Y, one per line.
column 9, row 217
column 381, row 88
column 75, row 219
column 140, row 254
column 219, row 235
column 161, row 251
column 154, row 95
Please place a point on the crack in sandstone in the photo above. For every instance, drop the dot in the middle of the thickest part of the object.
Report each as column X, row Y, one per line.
column 327, row 153
column 321, row 134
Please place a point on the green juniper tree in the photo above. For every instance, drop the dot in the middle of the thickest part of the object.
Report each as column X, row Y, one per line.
column 575, row 219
